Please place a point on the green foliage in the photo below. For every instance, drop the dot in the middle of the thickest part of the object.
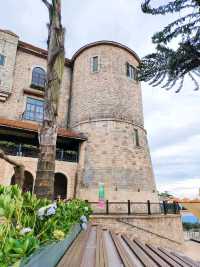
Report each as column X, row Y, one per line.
column 22, row 229
column 168, row 66
column 165, row 194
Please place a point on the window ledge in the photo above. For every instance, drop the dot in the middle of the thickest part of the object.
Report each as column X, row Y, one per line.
column 34, row 92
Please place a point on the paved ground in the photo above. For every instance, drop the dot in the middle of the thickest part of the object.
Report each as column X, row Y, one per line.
column 192, row 250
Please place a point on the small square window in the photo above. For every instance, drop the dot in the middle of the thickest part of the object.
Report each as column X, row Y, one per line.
column 2, row 59
column 131, row 71
column 95, row 64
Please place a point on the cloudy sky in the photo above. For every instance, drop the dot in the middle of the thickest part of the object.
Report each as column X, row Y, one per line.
column 172, row 120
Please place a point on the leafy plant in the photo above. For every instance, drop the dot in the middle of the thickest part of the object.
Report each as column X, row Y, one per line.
column 27, row 222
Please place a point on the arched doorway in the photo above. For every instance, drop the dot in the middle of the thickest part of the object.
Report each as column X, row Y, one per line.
column 28, row 182
column 60, row 186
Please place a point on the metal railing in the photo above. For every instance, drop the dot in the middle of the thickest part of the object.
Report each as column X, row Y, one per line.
column 193, row 234
column 135, row 208
column 33, row 152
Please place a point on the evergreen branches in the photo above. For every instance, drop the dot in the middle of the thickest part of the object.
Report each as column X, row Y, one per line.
column 167, row 66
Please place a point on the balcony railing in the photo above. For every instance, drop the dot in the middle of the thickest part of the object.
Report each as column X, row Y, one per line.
column 135, row 208
column 33, row 151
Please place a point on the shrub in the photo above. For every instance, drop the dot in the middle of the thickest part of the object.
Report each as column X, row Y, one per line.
column 27, row 222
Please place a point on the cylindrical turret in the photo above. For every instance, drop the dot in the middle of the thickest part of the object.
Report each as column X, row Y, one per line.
column 106, row 105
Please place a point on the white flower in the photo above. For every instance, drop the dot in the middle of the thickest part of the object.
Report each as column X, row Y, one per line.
column 47, row 211
column 41, row 212
column 25, row 231
column 86, row 208
column 50, row 211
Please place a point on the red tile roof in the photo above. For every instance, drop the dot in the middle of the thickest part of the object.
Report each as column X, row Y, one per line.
column 33, row 127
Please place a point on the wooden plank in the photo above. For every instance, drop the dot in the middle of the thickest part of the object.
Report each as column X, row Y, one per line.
column 125, row 257
column 105, row 252
column 139, row 253
column 74, row 254
column 159, row 261
column 187, row 260
column 101, row 253
column 171, row 262
column 97, row 247
column 179, row 261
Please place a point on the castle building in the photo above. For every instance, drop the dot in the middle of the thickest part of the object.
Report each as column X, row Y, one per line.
column 101, row 136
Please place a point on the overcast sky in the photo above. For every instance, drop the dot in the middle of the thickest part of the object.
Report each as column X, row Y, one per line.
column 172, row 120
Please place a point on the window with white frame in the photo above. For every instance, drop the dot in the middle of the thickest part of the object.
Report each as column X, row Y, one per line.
column 34, row 109
column 95, row 64
column 131, row 71
column 2, row 60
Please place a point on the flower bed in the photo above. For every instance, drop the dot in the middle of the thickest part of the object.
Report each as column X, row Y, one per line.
column 29, row 223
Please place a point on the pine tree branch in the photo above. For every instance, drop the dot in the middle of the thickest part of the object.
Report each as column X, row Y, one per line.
column 171, row 7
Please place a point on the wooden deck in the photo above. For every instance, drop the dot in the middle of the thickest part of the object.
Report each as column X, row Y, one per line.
column 99, row 247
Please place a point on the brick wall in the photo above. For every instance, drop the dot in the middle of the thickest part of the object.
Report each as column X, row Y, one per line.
column 107, row 107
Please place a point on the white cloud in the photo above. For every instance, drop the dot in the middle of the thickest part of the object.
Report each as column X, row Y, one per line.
column 187, row 188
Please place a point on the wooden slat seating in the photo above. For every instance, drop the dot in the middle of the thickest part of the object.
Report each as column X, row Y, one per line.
column 139, row 253
column 101, row 253
column 179, row 261
column 187, row 260
column 99, row 247
column 159, row 261
column 162, row 255
column 73, row 256
column 125, row 257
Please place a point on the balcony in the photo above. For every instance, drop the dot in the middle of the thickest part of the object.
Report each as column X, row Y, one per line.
column 25, row 150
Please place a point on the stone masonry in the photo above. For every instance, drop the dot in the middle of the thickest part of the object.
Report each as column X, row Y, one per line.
column 107, row 107
column 104, row 107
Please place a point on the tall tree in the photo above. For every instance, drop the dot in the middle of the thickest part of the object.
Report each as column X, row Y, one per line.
column 44, row 184
column 169, row 66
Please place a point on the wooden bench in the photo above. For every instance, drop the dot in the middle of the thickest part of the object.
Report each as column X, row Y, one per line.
column 139, row 253
column 162, row 255
column 74, row 254
column 124, row 256
column 159, row 261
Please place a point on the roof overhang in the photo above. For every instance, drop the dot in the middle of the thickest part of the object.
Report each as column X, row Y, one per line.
column 34, row 127
column 31, row 49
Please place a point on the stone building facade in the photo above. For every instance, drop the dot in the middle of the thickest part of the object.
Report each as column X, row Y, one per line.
column 101, row 137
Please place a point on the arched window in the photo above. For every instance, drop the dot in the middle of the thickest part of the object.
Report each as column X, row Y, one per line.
column 60, row 186
column 38, row 78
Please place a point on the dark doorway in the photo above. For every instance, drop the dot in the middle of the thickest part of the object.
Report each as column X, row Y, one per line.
column 28, row 182
column 60, row 186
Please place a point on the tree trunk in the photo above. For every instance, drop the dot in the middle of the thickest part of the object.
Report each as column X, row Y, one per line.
column 44, row 184
column 18, row 169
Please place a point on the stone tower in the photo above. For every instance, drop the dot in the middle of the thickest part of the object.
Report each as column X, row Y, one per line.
column 106, row 106
column 8, row 50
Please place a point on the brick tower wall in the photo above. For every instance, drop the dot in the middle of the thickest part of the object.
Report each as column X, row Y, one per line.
column 107, row 107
